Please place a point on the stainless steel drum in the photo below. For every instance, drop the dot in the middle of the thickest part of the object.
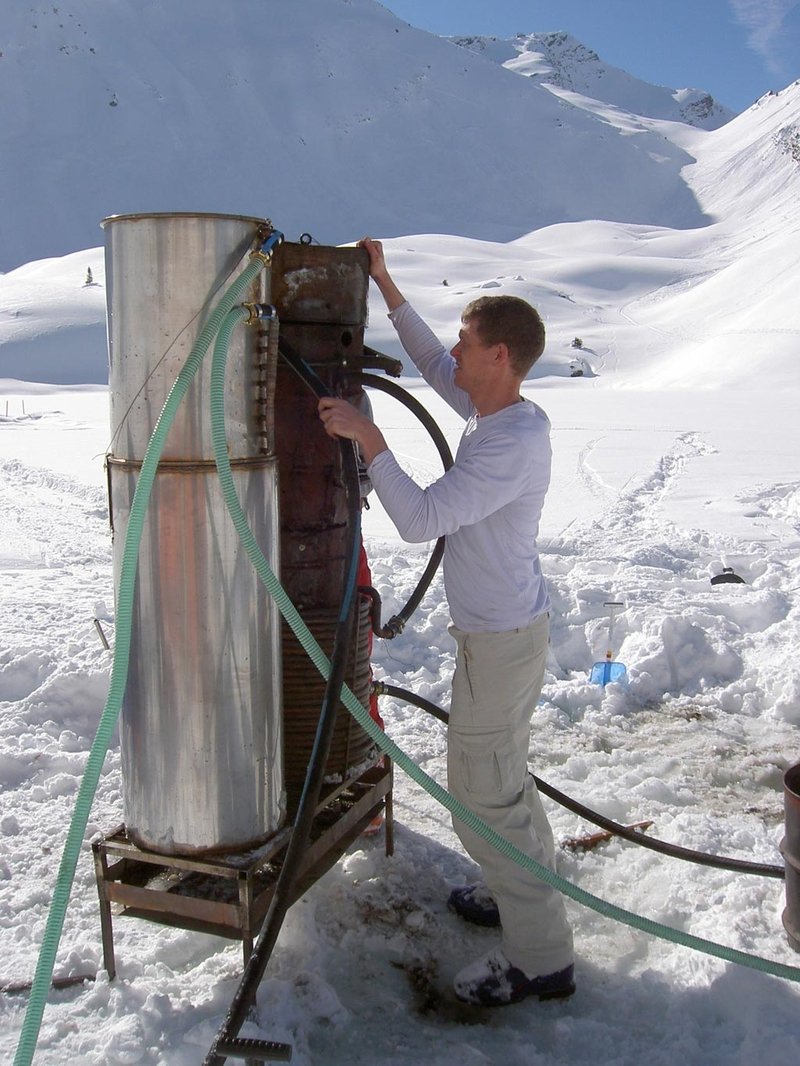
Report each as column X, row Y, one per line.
column 201, row 718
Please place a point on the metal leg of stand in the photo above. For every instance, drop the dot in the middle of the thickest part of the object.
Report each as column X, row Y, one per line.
column 389, row 820
column 106, row 929
column 246, row 904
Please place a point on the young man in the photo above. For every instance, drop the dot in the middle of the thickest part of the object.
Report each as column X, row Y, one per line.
column 488, row 507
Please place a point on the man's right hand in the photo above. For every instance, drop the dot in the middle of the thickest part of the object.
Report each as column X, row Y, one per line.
column 380, row 274
column 341, row 419
column 377, row 261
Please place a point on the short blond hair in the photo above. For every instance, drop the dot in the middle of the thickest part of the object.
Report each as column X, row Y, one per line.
column 511, row 321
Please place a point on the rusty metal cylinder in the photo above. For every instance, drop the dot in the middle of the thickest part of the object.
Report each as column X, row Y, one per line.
column 790, row 849
column 303, row 691
column 201, row 723
column 321, row 297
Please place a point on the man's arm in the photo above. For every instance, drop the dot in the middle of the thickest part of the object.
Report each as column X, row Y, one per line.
column 380, row 274
column 471, row 490
column 420, row 343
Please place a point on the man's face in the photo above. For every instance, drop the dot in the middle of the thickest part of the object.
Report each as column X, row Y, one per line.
column 474, row 359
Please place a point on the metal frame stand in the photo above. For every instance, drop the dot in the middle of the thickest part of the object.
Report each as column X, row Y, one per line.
column 229, row 895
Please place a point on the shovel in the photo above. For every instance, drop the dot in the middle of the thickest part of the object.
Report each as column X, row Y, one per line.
column 604, row 672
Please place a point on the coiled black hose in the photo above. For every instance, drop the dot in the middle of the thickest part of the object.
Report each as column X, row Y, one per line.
column 397, row 622
column 673, row 850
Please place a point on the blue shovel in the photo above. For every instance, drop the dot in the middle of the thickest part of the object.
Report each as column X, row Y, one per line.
column 604, row 672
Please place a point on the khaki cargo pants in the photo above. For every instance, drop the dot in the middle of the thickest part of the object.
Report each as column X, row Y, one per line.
column 497, row 682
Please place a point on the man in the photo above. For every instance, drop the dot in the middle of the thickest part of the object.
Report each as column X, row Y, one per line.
column 488, row 507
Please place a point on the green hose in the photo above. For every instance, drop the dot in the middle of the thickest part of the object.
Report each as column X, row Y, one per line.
column 505, row 847
column 119, row 671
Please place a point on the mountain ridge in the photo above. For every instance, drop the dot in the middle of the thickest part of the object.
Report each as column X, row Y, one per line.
column 558, row 59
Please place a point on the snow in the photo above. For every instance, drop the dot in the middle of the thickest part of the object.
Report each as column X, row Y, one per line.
column 558, row 59
column 674, row 455
column 304, row 116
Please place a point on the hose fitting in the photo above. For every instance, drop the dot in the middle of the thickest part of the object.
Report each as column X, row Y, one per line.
column 258, row 312
column 393, row 628
column 264, row 253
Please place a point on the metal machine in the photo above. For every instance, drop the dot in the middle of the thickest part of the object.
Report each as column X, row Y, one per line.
column 221, row 705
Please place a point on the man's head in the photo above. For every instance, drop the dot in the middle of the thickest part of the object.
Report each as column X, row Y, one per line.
column 511, row 321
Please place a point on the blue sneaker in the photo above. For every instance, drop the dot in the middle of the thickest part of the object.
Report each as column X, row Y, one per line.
column 493, row 982
column 476, row 904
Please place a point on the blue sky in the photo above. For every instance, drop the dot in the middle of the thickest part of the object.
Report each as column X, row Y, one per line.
column 735, row 49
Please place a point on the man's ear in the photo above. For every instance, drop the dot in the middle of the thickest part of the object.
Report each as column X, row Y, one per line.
column 501, row 353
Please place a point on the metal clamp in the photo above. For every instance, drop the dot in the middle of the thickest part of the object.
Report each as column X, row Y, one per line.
column 259, row 312
column 264, row 253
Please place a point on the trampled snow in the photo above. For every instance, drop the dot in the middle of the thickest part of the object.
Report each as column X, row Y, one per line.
column 675, row 454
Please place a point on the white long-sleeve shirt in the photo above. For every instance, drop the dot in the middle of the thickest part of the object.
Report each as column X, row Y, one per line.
column 488, row 504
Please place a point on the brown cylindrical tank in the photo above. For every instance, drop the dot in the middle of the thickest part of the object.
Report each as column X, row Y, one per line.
column 320, row 294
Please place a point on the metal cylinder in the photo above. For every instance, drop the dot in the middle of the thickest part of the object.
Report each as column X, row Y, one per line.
column 303, row 691
column 321, row 297
column 200, row 729
column 790, row 849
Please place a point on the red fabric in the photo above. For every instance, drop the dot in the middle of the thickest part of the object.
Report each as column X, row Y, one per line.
column 365, row 578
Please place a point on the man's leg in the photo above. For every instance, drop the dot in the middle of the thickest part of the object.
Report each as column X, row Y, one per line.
column 497, row 682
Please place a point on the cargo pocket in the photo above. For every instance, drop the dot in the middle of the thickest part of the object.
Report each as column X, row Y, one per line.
column 488, row 769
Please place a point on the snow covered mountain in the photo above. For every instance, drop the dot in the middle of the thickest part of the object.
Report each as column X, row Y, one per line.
column 114, row 110
column 331, row 116
column 559, row 61
column 660, row 306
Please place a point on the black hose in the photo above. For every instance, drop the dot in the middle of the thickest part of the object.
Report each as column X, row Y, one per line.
column 383, row 689
column 635, row 837
column 281, row 900
column 397, row 622
column 674, row 850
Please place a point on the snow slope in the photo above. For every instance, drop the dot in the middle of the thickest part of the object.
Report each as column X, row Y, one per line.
column 304, row 115
column 677, row 316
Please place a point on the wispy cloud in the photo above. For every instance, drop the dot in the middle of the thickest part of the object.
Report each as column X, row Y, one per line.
column 765, row 21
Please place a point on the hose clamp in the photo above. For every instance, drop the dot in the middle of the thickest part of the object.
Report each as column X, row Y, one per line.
column 264, row 253
column 257, row 312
